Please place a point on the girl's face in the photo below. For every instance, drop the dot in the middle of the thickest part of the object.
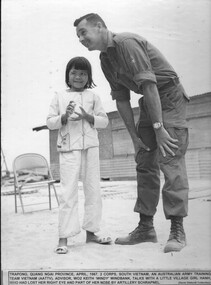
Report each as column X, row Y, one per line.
column 78, row 79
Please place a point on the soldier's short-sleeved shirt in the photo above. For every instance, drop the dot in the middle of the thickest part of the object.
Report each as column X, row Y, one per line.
column 129, row 61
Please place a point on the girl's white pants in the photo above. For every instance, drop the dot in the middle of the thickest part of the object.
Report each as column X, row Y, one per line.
column 70, row 165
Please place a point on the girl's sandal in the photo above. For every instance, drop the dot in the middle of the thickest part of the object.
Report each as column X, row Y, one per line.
column 61, row 249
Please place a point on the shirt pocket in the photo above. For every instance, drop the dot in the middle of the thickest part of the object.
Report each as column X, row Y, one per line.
column 63, row 142
column 172, row 98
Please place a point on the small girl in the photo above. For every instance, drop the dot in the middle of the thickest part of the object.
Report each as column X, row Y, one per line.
column 77, row 113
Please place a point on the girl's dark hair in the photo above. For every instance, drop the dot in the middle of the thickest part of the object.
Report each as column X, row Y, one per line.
column 81, row 63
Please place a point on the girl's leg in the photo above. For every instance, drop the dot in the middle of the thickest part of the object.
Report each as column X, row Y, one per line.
column 68, row 210
column 62, row 242
column 91, row 184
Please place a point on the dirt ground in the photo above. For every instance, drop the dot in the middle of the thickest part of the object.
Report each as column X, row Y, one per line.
column 28, row 240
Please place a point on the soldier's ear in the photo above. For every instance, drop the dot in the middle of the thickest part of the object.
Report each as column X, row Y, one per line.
column 99, row 25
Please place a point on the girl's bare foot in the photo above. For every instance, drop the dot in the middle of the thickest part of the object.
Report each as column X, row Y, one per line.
column 91, row 237
column 62, row 246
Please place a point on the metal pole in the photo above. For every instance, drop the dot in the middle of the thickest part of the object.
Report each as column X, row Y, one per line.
column 4, row 160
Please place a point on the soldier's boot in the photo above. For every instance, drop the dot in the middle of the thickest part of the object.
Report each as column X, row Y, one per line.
column 145, row 232
column 177, row 238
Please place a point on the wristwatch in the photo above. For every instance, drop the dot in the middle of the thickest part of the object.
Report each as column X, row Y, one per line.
column 157, row 125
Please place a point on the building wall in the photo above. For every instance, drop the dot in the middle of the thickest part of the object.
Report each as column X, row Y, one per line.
column 54, row 155
column 116, row 148
column 198, row 157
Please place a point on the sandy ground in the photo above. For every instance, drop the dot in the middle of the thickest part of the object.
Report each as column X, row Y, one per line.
column 28, row 240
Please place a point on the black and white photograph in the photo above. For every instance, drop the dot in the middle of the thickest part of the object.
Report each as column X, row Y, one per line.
column 105, row 142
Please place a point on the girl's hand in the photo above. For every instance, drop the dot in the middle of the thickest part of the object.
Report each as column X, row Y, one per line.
column 81, row 115
column 70, row 108
column 84, row 115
